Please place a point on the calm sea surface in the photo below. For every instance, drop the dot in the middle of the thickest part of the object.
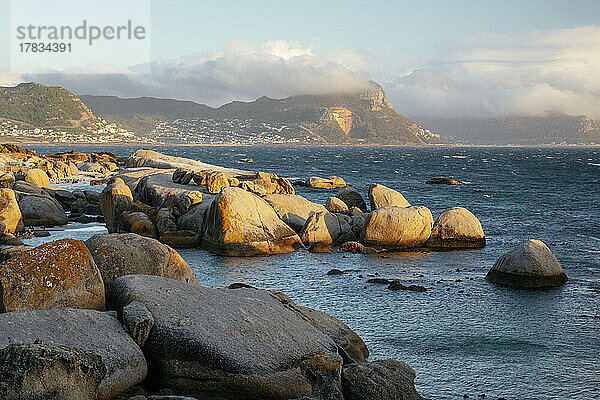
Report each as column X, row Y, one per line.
column 464, row 335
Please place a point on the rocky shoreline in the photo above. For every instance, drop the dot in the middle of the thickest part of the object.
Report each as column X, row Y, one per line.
column 122, row 315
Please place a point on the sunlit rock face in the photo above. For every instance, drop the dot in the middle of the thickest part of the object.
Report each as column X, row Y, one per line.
column 343, row 117
column 376, row 97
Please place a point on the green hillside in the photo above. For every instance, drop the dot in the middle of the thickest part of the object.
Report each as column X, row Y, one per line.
column 44, row 107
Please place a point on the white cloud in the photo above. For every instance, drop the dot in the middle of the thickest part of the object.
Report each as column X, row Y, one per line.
column 9, row 79
column 485, row 75
column 527, row 74
column 240, row 71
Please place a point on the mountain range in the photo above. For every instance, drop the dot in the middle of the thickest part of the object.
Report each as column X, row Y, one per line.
column 365, row 117
column 346, row 118
column 552, row 128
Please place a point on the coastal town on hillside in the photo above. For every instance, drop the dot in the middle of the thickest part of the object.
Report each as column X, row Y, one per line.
column 102, row 132
column 225, row 131
column 182, row 131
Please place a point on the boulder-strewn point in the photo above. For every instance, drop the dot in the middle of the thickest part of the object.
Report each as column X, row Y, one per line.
column 253, row 213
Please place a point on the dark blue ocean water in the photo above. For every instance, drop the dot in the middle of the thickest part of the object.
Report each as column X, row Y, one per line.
column 464, row 335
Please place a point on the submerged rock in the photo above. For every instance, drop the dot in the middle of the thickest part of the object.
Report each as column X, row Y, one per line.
column 232, row 344
column 382, row 196
column 381, row 380
column 397, row 285
column 55, row 274
column 456, row 228
column 530, row 265
column 127, row 253
column 398, row 227
column 356, row 247
column 443, row 180
column 240, row 223
column 50, row 346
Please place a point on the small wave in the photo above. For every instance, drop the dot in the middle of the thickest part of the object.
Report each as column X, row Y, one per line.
column 595, row 165
column 591, row 251
column 459, row 156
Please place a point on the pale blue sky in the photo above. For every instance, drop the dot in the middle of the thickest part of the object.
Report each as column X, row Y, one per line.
column 403, row 33
column 433, row 57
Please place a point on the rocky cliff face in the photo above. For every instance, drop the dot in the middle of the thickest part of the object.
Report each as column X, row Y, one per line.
column 341, row 115
column 375, row 97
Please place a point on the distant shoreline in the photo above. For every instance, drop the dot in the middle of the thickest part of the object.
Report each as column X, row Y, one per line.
column 305, row 145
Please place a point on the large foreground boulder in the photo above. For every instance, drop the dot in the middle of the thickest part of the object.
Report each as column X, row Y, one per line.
column 119, row 254
column 230, row 344
column 240, row 223
column 115, row 199
column 293, row 209
column 68, row 354
column 10, row 214
column 398, row 227
column 383, row 196
column 530, row 265
column 39, row 371
column 456, row 228
column 351, row 347
column 37, row 177
column 42, row 211
column 381, row 380
column 55, row 274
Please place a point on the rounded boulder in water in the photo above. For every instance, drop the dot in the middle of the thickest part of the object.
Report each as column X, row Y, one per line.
column 530, row 265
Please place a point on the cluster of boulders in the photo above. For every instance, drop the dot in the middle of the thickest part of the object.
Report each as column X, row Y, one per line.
column 31, row 202
column 168, row 335
column 94, row 164
column 242, row 213
column 187, row 203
